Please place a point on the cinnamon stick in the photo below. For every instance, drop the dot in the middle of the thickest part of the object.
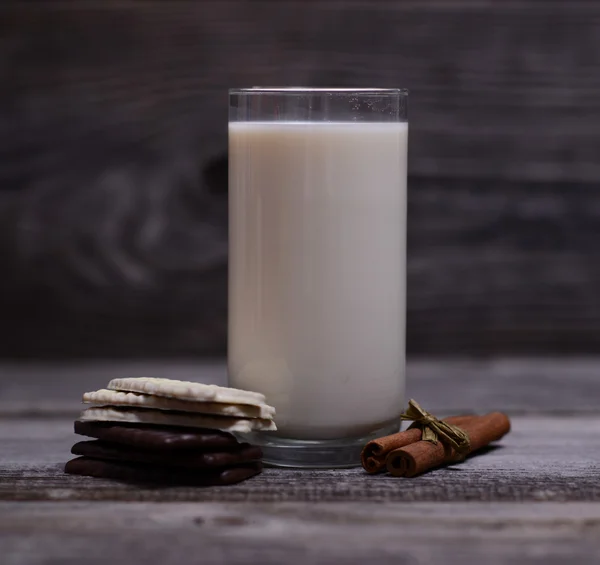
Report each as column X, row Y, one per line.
column 421, row 456
column 374, row 454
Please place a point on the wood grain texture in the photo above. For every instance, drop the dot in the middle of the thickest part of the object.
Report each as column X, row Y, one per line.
column 493, row 268
column 113, row 165
column 502, row 268
column 544, row 458
column 295, row 533
column 500, row 89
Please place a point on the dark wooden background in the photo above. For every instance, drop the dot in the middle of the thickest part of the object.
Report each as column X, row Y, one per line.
column 113, row 181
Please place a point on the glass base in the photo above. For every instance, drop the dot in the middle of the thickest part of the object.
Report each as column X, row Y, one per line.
column 314, row 454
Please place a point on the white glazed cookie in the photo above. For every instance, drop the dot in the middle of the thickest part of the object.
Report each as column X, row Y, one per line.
column 105, row 397
column 187, row 390
column 186, row 419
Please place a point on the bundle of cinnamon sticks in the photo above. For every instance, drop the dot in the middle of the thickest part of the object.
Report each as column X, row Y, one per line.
column 406, row 454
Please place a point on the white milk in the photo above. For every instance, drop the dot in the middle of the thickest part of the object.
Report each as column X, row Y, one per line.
column 317, row 215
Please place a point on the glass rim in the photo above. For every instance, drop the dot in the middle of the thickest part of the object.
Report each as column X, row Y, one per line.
column 296, row 90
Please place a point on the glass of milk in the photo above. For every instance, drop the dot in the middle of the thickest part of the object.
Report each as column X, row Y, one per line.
column 317, row 265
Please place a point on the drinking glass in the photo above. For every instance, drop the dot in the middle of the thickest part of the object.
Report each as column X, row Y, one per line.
column 317, row 265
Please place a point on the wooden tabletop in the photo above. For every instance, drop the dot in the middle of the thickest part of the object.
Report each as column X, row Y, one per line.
column 534, row 498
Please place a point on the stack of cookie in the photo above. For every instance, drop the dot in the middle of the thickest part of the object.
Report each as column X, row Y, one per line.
column 168, row 431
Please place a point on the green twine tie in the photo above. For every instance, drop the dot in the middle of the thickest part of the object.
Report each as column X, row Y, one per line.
column 434, row 429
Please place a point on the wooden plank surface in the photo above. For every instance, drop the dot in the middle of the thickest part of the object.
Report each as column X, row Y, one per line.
column 532, row 499
column 298, row 533
column 516, row 385
column 544, row 458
